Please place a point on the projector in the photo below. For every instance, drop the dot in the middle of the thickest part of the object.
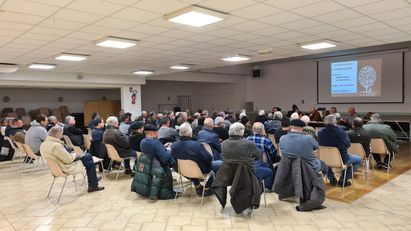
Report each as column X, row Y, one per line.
column 6, row 68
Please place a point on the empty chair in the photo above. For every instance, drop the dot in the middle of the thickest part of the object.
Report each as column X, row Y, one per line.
column 114, row 156
column 358, row 149
column 332, row 158
column 190, row 169
column 378, row 147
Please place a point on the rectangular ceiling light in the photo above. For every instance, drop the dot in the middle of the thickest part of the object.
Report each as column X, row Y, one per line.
column 115, row 42
column 180, row 67
column 143, row 72
column 71, row 57
column 318, row 45
column 195, row 16
column 42, row 66
column 236, row 58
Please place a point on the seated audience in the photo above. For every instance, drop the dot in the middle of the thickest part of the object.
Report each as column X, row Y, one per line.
column 247, row 126
column 194, row 124
column 295, row 116
column 359, row 135
column 137, row 135
column 120, row 142
column 377, row 129
column 261, row 117
column 53, row 149
column 333, row 136
column 159, row 117
column 124, row 124
column 271, row 126
column 340, row 123
column 220, row 128
column 37, row 133
column 285, row 127
column 152, row 118
column 198, row 128
column 352, row 114
column 74, row 133
column 16, row 126
column 187, row 149
column 305, row 148
column 166, row 133
column 98, row 129
column 333, row 110
column 171, row 117
column 294, row 109
column 53, row 122
column 91, row 123
column 97, row 148
column 308, row 130
column 207, row 135
column 153, row 176
column 315, row 115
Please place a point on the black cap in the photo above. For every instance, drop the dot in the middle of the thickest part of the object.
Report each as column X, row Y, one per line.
column 150, row 127
column 137, row 125
column 297, row 123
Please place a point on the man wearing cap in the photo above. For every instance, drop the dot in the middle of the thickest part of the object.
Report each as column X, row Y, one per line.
column 136, row 135
column 333, row 136
column 305, row 148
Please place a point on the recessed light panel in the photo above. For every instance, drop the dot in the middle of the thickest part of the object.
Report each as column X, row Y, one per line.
column 318, row 45
column 236, row 58
column 195, row 16
column 143, row 72
column 115, row 42
column 42, row 66
column 71, row 57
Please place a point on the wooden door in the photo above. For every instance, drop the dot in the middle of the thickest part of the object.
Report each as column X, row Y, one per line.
column 105, row 108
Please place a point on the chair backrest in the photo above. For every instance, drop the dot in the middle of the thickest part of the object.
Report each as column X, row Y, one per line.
column 208, row 148
column 89, row 131
column 138, row 155
column 112, row 153
column 11, row 144
column 68, row 141
column 29, row 151
column 55, row 169
column 331, row 156
column 357, row 149
column 378, row 146
column 190, row 169
column 272, row 138
column 87, row 141
column 20, row 147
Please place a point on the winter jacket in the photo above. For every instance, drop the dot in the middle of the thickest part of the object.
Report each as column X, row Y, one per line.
column 35, row 136
column 75, row 134
column 385, row 132
column 335, row 137
column 153, row 147
column 245, row 189
column 210, row 137
column 295, row 177
column 271, row 126
column 119, row 141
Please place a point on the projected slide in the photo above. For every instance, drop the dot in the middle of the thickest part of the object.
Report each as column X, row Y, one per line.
column 356, row 78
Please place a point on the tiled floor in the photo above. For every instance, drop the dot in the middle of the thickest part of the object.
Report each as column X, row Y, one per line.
column 23, row 206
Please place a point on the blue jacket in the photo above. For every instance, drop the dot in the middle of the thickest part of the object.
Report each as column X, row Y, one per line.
column 187, row 149
column 333, row 136
column 97, row 134
column 210, row 137
column 153, row 148
column 271, row 126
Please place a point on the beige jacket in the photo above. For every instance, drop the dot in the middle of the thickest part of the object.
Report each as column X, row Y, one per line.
column 53, row 149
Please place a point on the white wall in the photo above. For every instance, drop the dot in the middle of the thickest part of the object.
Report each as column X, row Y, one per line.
column 291, row 82
column 30, row 98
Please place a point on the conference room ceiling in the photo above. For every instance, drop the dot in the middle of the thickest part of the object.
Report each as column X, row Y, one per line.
column 38, row 30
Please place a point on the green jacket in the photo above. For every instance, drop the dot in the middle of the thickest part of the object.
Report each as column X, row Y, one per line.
column 152, row 180
column 385, row 132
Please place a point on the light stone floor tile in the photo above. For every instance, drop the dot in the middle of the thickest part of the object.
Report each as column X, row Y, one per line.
column 23, row 206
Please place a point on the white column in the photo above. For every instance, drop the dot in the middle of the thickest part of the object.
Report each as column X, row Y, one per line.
column 131, row 99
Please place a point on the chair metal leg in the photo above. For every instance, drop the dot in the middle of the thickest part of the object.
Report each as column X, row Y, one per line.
column 119, row 170
column 352, row 174
column 202, row 195
column 265, row 200
column 51, row 186
column 61, row 192
column 389, row 164
column 344, row 178
column 74, row 181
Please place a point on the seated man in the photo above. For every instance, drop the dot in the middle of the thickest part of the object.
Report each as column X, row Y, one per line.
column 285, row 127
column 207, row 135
column 98, row 129
column 264, row 145
column 97, row 148
column 16, row 126
column 74, row 133
column 187, row 149
column 333, row 136
column 165, row 133
column 120, row 142
column 53, row 149
column 220, row 128
column 352, row 114
column 376, row 129
column 124, row 124
column 153, row 177
column 297, row 144
column 53, row 122
column 308, row 130
column 274, row 124
column 37, row 133
column 137, row 135
column 359, row 135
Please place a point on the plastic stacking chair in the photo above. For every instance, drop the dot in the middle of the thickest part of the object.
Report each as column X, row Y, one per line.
column 332, row 158
column 190, row 169
column 272, row 138
column 57, row 172
column 17, row 151
column 113, row 155
column 378, row 146
column 96, row 160
column 87, row 141
column 208, row 148
column 358, row 150
column 32, row 155
column 68, row 141
column 27, row 158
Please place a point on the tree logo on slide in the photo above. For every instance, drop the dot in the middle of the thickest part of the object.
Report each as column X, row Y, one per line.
column 367, row 77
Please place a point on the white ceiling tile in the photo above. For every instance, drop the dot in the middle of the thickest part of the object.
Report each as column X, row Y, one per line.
column 245, row 37
column 301, row 24
column 222, row 32
column 272, row 30
column 396, row 40
column 131, row 35
column 95, row 6
column 77, row 16
column 289, row 35
column 399, row 21
column 288, row 5
column 60, row 23
column 14, row 26
column 20, row 17
column 258, row 10
column 167, row 6
column 50, row 31
column 176, row 34
column 318, row 29
column 338, row 16
column 52, row 2
column 10, row 33
column 201, row 38
column 85, row 36
column 368, row 27
column 249, row 26
column 354, row 22
column 226, row 5
column 137, row 15
column 149, row 29
column 382, row 6
column 319, row 8
column 100, row 30
column 231, row 20
column 353, row 3
column 280, row 18
column 30, row 8
column 393, row 14
column 116, row 23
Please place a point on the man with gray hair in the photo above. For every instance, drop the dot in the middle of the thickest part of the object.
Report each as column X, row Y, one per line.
column 207, row 135
column 376, row 129
column 74, row 133
column 333, row 136
column 273, row 125
column 261, row 117
column 53, row 149
column 220, row 128
column 188, row 149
